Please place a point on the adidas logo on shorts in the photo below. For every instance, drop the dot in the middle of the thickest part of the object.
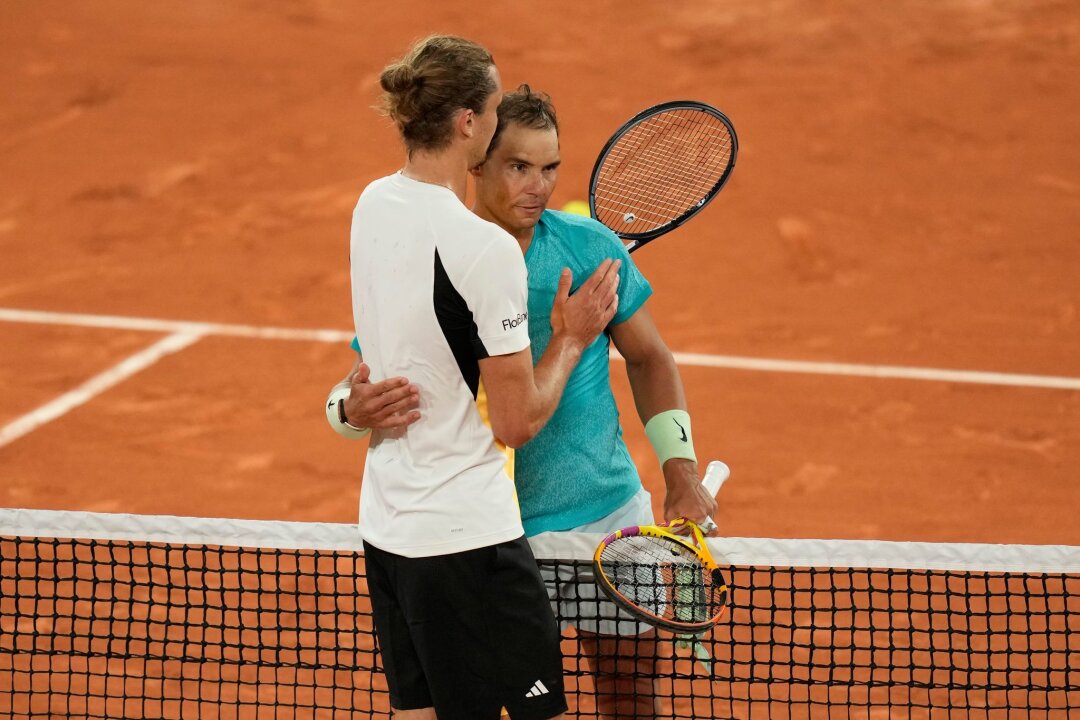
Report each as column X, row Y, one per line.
column 537, row 690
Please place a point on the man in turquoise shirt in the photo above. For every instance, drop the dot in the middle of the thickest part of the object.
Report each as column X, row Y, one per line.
column 576, row 473
column 577, row 469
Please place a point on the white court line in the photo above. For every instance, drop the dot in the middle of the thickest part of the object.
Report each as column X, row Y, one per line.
column 115, row 322
column 687, row 359
column 878, row 371
column 96, row 385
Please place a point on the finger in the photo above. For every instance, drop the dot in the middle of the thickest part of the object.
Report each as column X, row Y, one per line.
column 710, row 500
column 706, row 508
column 392, row 390
column 609, row 281
column 382, row 405
column 613, row 289
column 366, row 402
column 401, row 403
column 597, row 277
column 616, row 278
column 611, row 273
column 368, row 396
column 363, row 372
column 384, row 386
column 566, row 279
column 714, row 516
column 400, row 420
column 612, row 308
column 680, row 529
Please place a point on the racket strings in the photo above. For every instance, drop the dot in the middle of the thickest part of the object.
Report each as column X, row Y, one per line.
column 631, row 204
column 697, row 147
column 663, row 172
column 663, row 578
column 661, row 169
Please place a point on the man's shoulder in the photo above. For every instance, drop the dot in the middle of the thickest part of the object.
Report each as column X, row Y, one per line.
column 378, row 185
column 474, row 234
column 575, row 226
column 575, row 236
column 466, row 241
column 480, row 226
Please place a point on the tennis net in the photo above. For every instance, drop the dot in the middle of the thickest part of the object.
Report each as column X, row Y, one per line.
column 124, row 616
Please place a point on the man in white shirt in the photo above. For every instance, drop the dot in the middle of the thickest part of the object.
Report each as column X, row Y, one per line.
column 460, row 610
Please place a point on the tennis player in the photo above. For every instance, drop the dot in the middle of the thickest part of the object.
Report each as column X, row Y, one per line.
column 439, row 294
column 576, row 474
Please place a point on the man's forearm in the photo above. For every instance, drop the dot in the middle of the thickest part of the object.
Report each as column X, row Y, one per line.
column 658, row 388
column 550, row 375
column 656, row 385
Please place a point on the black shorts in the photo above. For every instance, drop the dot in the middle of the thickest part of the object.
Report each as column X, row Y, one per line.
column 467, row 633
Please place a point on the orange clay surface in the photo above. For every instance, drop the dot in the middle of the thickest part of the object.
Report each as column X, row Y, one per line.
column 907, row 193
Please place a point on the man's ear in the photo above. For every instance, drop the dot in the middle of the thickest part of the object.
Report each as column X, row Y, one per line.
column 465, row 122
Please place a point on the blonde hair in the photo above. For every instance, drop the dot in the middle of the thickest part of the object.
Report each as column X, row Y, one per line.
column 439, row 76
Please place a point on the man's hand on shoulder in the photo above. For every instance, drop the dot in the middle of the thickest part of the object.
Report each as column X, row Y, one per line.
column 581, row 317
column 390, row 403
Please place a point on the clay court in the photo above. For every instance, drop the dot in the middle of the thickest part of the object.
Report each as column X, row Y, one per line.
column 876, row 321
column 907, row 196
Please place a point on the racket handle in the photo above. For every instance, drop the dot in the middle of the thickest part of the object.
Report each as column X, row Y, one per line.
column 715, row 475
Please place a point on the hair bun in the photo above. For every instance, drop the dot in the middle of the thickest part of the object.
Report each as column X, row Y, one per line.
column 440, row 75
column 399, row 78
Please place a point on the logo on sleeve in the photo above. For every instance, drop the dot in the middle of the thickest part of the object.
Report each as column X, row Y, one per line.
column 511, row 323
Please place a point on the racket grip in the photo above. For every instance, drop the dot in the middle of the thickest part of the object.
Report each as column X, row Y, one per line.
column 715, row 475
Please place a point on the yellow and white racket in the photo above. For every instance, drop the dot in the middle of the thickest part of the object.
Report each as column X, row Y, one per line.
column 667, row 580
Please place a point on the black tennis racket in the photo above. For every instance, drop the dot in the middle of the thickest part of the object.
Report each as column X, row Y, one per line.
column 661, row 168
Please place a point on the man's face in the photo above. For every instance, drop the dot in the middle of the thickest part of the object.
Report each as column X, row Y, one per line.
column 486, row 121
column 518, row 177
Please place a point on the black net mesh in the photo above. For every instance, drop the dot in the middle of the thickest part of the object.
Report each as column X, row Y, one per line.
column 118, row 629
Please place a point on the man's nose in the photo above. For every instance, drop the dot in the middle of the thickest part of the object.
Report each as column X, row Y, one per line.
column 535, row 184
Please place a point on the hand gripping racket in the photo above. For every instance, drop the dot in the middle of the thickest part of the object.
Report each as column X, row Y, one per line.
column 661, row 168
column 666, row 580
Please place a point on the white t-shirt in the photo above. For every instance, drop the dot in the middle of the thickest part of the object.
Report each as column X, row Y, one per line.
column 434, row 290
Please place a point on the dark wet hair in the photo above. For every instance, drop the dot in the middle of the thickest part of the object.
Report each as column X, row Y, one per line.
column 524, row 107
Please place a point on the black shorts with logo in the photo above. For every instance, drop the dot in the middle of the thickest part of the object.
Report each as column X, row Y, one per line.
column 467, row 633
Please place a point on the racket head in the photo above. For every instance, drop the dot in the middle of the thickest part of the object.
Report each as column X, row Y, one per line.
column 661, row 578
column 662, row 167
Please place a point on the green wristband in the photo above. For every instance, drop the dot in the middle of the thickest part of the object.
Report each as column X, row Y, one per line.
column 669, row 433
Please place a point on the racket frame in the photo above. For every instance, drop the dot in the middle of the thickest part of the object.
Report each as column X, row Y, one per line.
column 662, row 532
column 639, row 240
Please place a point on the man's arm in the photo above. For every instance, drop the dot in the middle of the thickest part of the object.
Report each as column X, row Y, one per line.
column 522, row 398
column 657, row 388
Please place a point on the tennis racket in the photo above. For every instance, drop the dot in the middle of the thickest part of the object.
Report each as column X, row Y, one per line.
column 664, row 579
column 661, row 168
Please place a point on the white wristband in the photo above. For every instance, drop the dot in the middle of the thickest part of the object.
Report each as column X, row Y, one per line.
column 335, row 414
